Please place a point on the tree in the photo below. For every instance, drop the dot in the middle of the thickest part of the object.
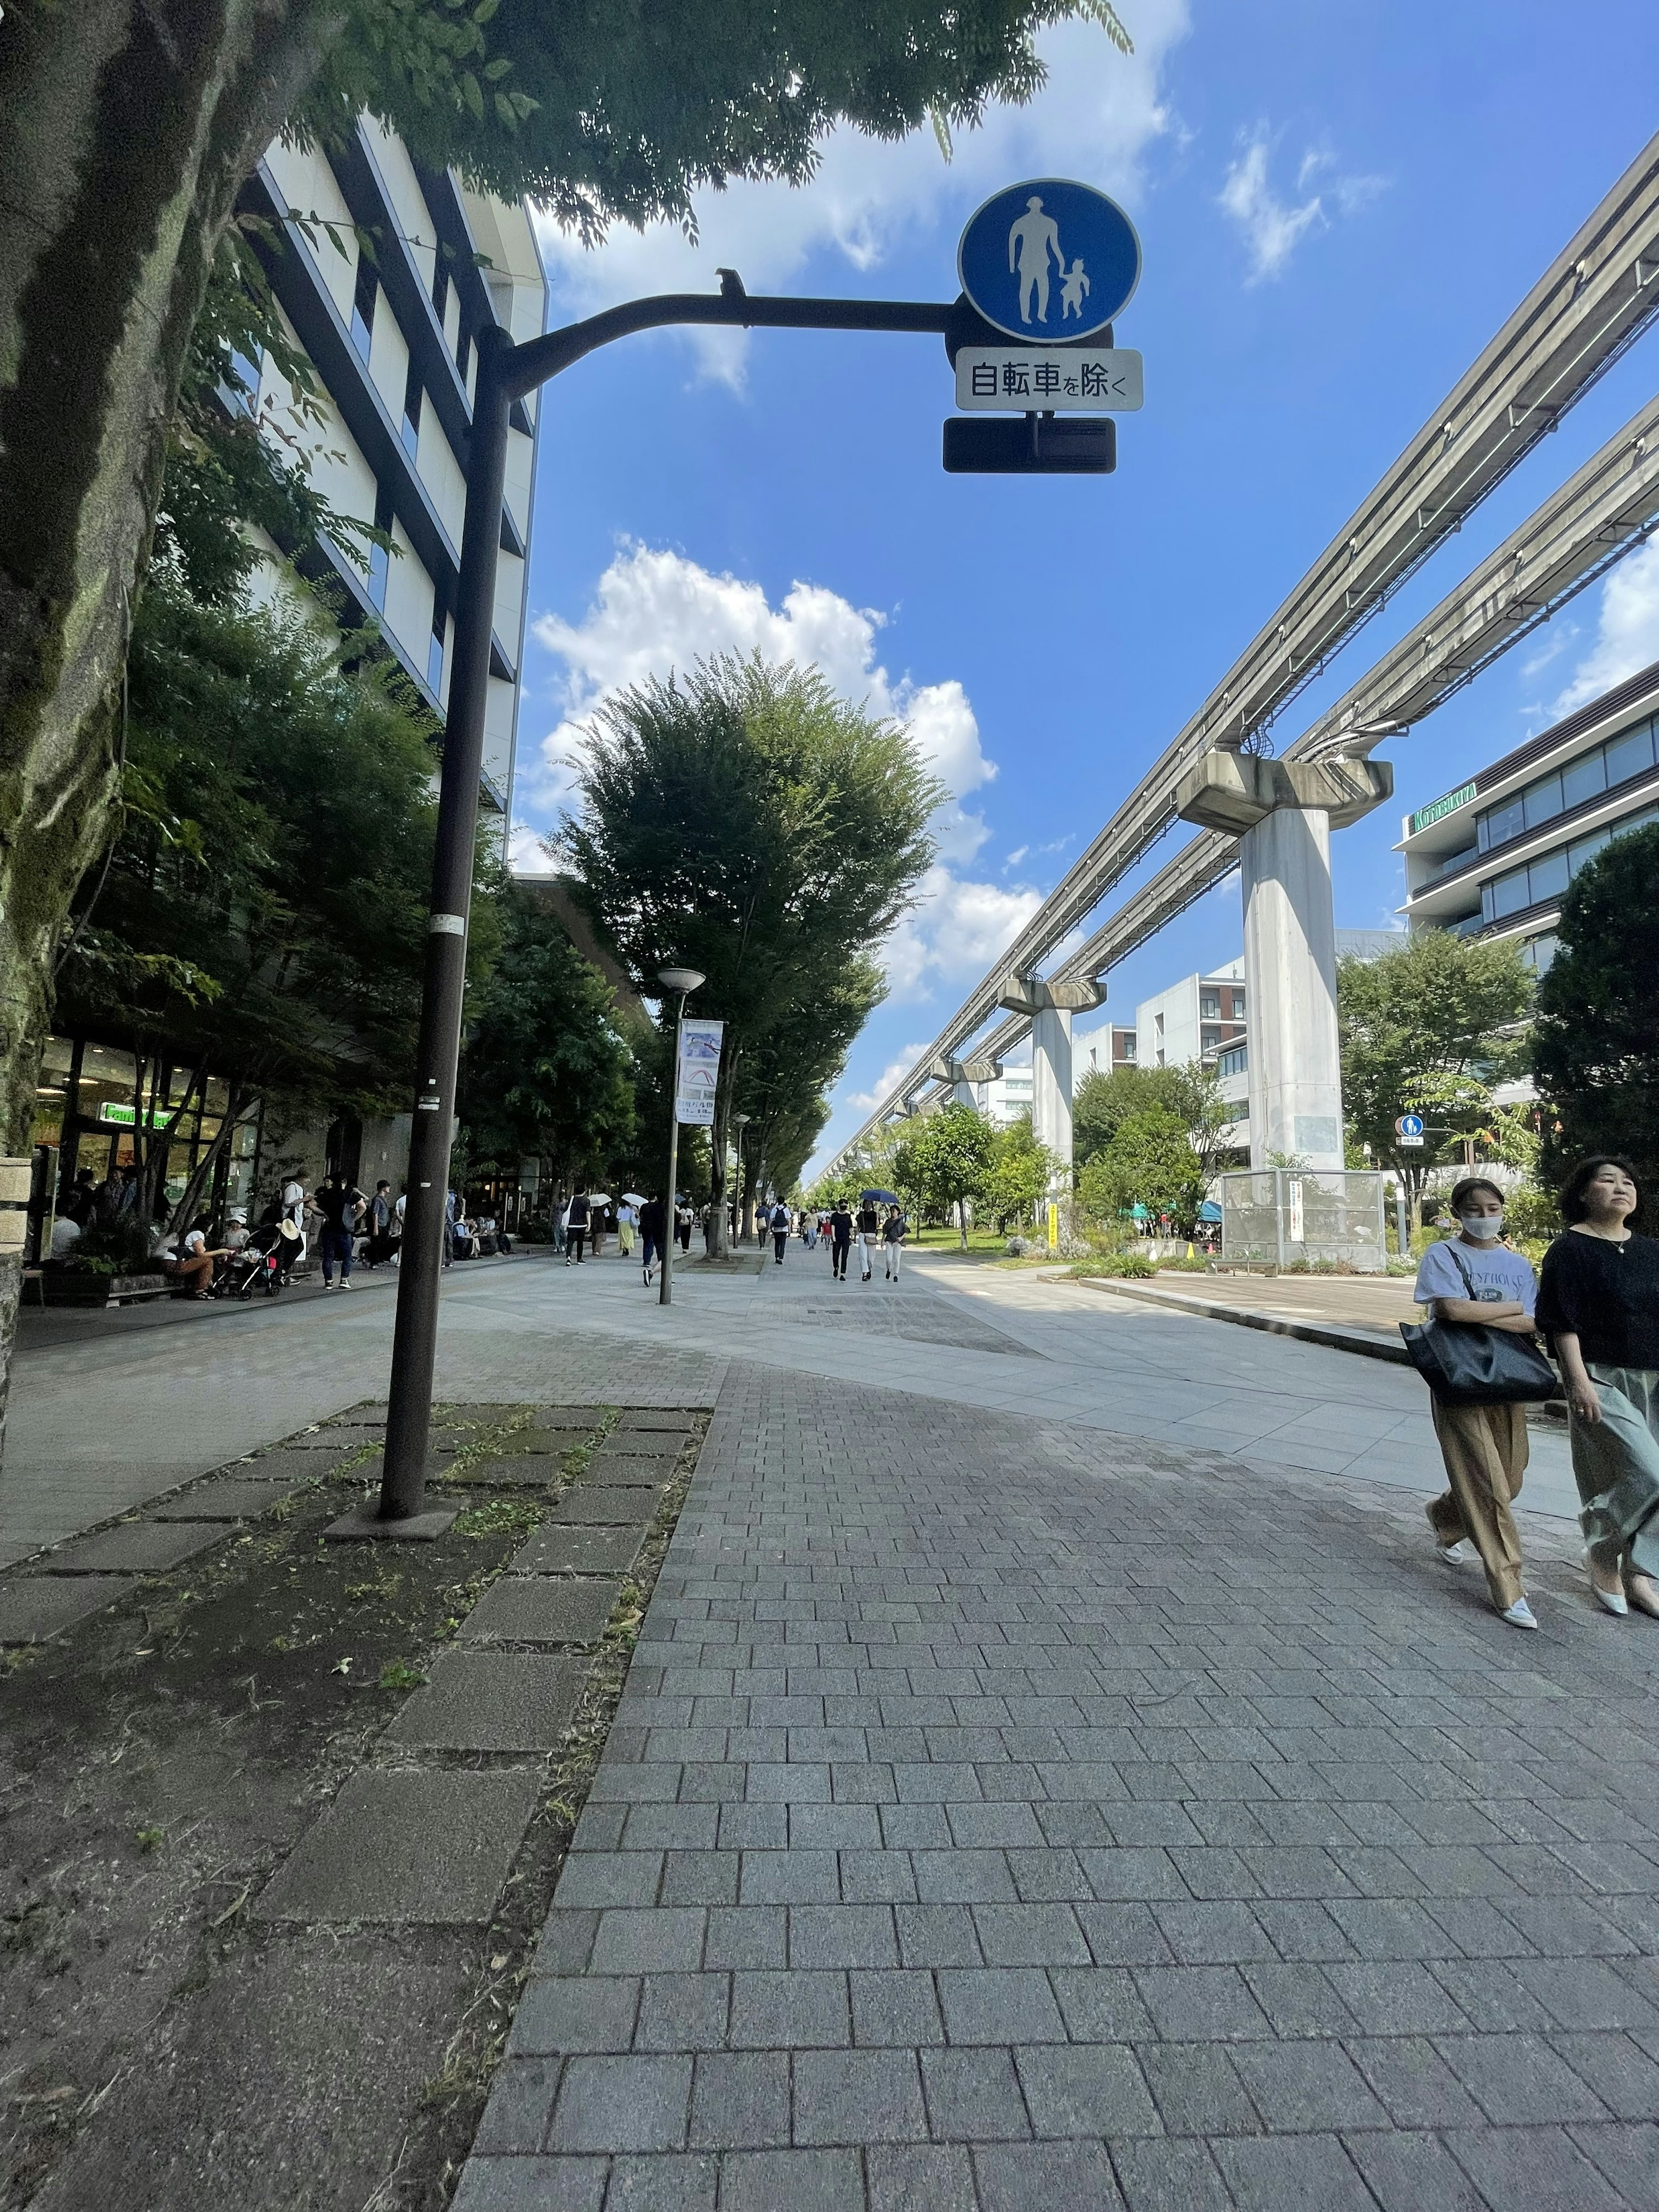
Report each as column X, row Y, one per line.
column 263, row 909
column 1022, row 1172
column 1428, row 1028
column 1596, row 1044
column 1149, row 1162
column 127, row 130
column 783, row 1082
column 715, row 814
column 948, row 1156
column 1102, row 1102
column 545, row 1072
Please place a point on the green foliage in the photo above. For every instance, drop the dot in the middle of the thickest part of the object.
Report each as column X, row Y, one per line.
column 948, row 1156
column 1021, row 1173
column 545, row 1072
column 1149, row 1162
column 1102, row 1102
column 1428, row 1028
column 264, row 909
column 1134, row 1266
column 622, row 112
column 742, row 820
column 1596, row 1047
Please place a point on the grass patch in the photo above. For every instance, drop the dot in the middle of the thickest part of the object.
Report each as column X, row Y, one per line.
column 501, row 1517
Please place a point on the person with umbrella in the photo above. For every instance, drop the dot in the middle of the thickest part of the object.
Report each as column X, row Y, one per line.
column 599, row 1220
column 627, row 1220
column 869, row 1229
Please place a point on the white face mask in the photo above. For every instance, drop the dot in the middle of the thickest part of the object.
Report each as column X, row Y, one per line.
column 1482, row 1227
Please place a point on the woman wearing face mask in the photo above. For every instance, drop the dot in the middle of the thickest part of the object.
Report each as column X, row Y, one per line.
column 1472, row 1277
column 1600, row 1305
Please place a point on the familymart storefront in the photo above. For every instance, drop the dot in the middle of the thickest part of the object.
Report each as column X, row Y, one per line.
column 97, row 1106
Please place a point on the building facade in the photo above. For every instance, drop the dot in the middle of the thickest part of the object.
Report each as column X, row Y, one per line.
column 1492, row 857
column 384, row 273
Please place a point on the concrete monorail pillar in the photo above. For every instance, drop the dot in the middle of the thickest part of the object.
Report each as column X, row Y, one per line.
column 962, row 1075
column 1050, row 1006
column 1282, row 813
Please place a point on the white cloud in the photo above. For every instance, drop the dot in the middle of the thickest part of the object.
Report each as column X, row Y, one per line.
column 1626, row 631
column 655, row 610
column 888, row 1081
column 1096, row 117
column 526, row 853
column 954, row 933
column 1272, row 227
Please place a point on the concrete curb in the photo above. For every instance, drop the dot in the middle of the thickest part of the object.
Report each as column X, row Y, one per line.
column 1331, row 1334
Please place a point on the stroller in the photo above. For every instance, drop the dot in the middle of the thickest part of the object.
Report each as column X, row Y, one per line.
column 257, row 1266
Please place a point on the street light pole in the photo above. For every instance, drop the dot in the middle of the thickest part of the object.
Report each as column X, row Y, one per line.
column 508, row 372
column 739, row 1122
column 684, row 981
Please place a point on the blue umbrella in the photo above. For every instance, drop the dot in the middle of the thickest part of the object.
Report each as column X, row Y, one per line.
column 878, row 1197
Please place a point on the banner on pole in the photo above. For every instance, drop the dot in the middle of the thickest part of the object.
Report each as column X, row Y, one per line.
column 697, row 1073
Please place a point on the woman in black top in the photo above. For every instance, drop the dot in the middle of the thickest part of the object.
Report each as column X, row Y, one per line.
column 1598, row 1302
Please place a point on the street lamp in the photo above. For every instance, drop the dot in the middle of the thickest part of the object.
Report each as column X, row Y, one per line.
column 682, row 981
column 739, row 1122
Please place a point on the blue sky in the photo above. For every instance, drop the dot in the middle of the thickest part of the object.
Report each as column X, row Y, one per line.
column 1338, row 204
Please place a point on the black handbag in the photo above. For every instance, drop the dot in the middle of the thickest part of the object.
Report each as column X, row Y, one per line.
column 1464, row 1364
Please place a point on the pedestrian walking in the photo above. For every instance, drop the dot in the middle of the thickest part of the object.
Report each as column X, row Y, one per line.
column 378, row 1222
column 653, row 1235
column 683, row 1223
column 627, row 1222
column 869, row 1236
column 1474, row 1279
column 338, row 1199
column 576, row 1228
column 1599, row 1305
column 780, row 1232
column 841, row 1239
column 894, row 1231
column 598, row 1222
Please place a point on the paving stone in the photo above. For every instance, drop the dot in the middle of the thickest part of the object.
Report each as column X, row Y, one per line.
column 564, row 2013
column 1410, row 2172
column 740, row 2100
column 999, row 2004
column 973, row 2096
column 134, row 1547
column 492, row 1701
column 1312, row 2172
column 858, row 2097
column 920, row 2178
column 615, row 2104
column 791, row 2181
column 631, row 1474
column 557, row 1550
column 800, row 2010
column 422, row 1845
column 223, row 1500
column 606, row 1505
column 1014, row 2177
column 660, row 1418
column 532, row 2184
column 1085, row 2090
column 663, row 2182
column 635, row 1443
column 542, row 1609
column 1159, row 2176
column 33, row 1607
column 684, row 2012
column 1300, row 2088
column 520, row 2107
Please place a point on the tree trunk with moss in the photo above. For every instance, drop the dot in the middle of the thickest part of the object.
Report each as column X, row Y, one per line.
column 127, row 128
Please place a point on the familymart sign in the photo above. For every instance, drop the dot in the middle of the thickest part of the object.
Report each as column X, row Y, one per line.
column 1426, row 815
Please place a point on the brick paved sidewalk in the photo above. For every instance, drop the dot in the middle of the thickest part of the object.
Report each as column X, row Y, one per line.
column 1001, row 1815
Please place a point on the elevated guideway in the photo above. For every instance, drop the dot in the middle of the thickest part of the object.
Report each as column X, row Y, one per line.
column 1593, row 303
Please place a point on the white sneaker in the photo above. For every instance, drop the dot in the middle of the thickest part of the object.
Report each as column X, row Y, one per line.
column 1454, row 1555
column 345, row 1282
column 1520, row 1615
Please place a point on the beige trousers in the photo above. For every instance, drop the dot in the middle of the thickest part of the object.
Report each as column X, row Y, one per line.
column 1484, row 1448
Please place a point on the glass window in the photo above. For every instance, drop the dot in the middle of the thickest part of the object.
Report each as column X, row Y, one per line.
column 1499, row 823
column 439, row 289
column 434, row 652
column 411, row 423
column 1510, row 894
column 1542, row 800
column 1538, row 953
column 1629, row 753
column 1584, row 848
column 1209, row 1006
column 1583, row 779
column 1548, row 876
column 362, row 306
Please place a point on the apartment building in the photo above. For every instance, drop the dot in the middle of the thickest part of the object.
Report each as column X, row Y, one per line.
column 385, row 273
column 1492, row 857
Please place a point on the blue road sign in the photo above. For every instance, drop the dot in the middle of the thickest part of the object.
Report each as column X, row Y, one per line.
column 1409, row 1125
column 1049, row 260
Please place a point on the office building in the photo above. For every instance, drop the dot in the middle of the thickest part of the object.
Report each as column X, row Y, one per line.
column 1492, row 857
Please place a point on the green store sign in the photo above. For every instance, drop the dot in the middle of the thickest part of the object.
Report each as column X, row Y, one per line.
column 126, row 1117
column 1441, row 807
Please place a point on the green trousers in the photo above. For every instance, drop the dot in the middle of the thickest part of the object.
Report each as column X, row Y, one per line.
column 1615, row 1463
